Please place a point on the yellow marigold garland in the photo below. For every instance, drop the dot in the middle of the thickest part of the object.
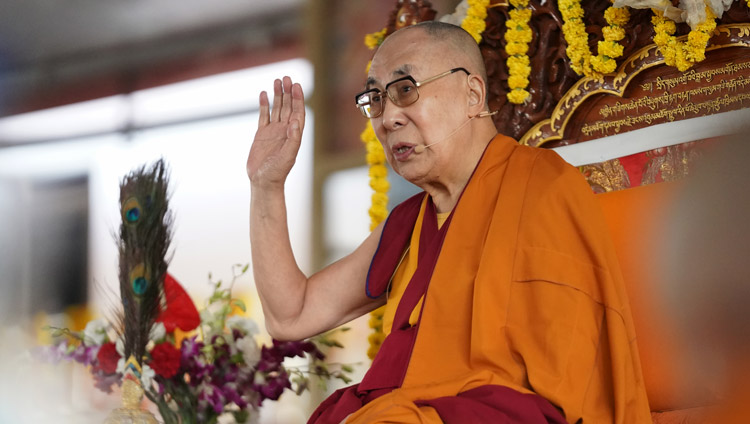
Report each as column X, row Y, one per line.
column 375, row 39
column 682, row 55
column 379, row 202
column 474, row 23
column 378, row 176
column 582, row 61
column 517, row 38
column 378, row 212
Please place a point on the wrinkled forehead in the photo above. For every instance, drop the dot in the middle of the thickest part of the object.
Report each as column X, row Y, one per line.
column 381, row 79
column 399, row 56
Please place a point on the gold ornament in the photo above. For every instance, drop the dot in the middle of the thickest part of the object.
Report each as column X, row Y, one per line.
column 131, row 412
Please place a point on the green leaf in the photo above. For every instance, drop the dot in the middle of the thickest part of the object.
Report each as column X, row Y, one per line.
column 241, row 416
column 245, row 268
column 330, row 343
column 57, row 332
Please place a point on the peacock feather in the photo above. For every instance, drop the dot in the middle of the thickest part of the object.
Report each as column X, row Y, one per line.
column 145, row 234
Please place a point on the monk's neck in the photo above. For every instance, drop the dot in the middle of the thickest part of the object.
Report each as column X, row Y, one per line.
column 446, row 191
column 444, row 199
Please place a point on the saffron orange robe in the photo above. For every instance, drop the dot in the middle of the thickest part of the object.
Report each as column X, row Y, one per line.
column 523, row 312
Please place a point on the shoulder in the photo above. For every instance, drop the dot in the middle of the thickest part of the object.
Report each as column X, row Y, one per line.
column 548, row 172
column 547, row 163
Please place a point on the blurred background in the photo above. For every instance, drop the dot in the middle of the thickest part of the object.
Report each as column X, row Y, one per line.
column 91, row 89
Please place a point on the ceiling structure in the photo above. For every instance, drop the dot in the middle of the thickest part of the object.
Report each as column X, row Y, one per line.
column 51, row 42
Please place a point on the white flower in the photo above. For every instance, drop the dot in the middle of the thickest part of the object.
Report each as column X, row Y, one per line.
column 259, row 379
column 95, row 333
column 147, row 374
column 158, row 332
column 245, row 325
column 457, row 17
column 250, row 350
column 121, row 366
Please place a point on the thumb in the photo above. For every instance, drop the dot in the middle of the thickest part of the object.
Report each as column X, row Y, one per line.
column 293, row 132
column 293, row 137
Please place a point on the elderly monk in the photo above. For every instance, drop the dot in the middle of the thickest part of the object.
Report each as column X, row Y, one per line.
column 503, row 298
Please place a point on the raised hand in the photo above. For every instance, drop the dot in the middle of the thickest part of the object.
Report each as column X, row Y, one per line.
column 279, row 134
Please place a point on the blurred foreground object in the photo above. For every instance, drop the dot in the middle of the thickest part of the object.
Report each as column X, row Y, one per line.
column 707, row 278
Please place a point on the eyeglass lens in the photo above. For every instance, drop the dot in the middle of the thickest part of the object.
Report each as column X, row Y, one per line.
column 402, row 93
column 370, row 103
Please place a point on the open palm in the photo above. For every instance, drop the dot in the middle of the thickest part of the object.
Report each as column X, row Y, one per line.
column 279, row 134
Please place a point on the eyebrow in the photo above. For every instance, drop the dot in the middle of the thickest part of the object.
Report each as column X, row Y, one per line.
column 401, row 71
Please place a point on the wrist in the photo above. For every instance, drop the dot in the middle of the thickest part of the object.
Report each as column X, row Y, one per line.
column 266, row 186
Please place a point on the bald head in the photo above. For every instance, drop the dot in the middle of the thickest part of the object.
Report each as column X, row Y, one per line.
column 460, row 45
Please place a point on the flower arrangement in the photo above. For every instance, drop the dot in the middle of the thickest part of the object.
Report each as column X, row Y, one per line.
column 517, row 37
column 682, row 55
column 582, row 61
column 199, row 366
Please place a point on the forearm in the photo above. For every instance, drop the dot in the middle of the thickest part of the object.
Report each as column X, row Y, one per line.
column 280, row 283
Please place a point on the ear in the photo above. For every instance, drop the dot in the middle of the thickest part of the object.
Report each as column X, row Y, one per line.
column 477, row 94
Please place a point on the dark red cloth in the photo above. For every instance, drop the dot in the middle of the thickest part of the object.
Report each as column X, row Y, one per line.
column 494, row 404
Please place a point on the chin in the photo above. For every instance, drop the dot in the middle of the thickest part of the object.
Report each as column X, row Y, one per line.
column 411, row 175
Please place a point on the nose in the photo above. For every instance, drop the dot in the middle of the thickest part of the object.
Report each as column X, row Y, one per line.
column 392, row 116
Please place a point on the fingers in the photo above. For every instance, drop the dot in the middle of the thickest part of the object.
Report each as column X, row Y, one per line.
column 286, row 107
column 277, row 101
column 298, row 105
column 288, row 103
column 263, row 118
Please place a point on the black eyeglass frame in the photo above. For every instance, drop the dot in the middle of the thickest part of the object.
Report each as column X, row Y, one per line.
column 417, row 84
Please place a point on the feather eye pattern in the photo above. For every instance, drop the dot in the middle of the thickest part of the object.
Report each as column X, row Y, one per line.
column 145, row 235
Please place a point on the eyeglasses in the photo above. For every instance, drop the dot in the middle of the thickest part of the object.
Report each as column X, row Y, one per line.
column 402, row 92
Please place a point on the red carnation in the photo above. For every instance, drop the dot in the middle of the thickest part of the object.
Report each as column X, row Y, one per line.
column 165, row 360
column 107, row 358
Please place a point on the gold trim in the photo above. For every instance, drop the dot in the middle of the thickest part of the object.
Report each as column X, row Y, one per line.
column 553, row 128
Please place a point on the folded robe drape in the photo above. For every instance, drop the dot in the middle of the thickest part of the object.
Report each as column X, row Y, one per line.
column 524, row 307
